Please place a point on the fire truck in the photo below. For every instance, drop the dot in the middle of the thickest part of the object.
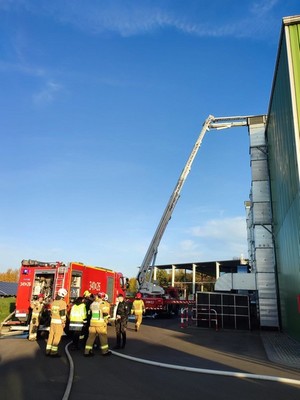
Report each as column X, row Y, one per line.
column 156, row 298
column 47, row 278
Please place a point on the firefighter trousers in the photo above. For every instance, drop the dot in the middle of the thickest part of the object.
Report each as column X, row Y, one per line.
column 138, row 319
column 34, row 325
column 121, row 326
column 97, row 331
column 55, row 334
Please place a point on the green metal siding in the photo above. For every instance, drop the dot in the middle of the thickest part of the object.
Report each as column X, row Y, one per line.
column 294, row 31
column 284, row 180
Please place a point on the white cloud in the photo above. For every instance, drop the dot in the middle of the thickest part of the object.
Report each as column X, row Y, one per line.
column 223, row 228
column 262, row 7
column 22, row 68
column 128, row 18
column 223, row 238
column 49, row 89
column 215, row 240
column 188, row 245
column 48, row 93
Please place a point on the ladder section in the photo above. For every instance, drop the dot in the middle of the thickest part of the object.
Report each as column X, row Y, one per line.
column 60, row 278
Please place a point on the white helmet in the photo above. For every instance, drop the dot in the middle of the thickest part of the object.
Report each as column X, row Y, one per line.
column 62, row 292
column 105, row 297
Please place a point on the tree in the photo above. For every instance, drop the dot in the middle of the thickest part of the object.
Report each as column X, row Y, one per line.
column 162, row 278
column 132, row 287
column 11, row 275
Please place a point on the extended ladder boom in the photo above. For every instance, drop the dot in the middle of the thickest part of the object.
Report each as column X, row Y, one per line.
column 150, row 256
column 145, row 285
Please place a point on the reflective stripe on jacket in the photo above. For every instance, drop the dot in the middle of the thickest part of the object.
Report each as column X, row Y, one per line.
column 75, row 326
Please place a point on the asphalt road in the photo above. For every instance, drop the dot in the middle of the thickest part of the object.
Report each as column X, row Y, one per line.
column 216, row 365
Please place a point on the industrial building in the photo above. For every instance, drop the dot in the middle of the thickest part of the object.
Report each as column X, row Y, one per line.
column 273, row 212
column 273, row 209
column 282, row 137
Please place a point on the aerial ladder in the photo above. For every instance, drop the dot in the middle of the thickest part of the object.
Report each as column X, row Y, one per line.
column 145, row 283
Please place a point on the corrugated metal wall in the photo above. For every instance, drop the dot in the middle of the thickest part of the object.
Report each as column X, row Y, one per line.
column 282, row 135
column 259, row 224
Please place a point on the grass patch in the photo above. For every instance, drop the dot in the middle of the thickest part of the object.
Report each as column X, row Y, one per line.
column 7, row 306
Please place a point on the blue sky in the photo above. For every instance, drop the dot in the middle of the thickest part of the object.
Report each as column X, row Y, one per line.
column 101, row 103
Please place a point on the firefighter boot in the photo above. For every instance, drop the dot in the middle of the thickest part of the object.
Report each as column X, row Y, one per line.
column 124, row 340
column 118, row 345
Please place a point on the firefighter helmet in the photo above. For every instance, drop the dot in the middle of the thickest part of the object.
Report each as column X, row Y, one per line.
column 138, row 296
column 62, row 292
column 86, row 293
column 103, row 295
column 41, row 296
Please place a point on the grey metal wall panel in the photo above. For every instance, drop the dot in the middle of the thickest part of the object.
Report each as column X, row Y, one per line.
column 259, row 170
column 260, row 191
column 262, row 213
column 266, row 285
column 265, row 260
column 258, row 153
column 257, row 137
column 263, row 236
column 268, row 313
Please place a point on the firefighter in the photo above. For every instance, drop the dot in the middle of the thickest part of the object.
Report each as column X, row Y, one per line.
column 122, row 312
column 37, row 307
column 88, row 298
column 105, row 306
column 58, row 311
column 98, row 328
column 78, row 317
column 138, row 309
column 86, row 294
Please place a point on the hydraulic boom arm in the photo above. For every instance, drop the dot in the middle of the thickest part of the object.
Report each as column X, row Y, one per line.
column 145, row 282
column 149, row 259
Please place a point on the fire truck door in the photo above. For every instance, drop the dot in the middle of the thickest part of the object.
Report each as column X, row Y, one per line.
column 110, row 289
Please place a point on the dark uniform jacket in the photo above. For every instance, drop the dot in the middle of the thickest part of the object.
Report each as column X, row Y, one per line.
column 123, row 310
